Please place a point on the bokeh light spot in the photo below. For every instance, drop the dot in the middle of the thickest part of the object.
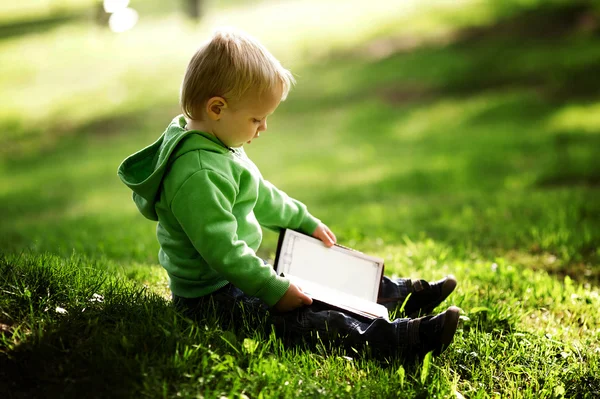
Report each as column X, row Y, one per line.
column 123, row 20
column 112, row 6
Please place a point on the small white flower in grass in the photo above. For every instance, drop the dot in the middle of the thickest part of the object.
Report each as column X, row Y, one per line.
column 494, row 267
column 60, row 310
column 97, row 298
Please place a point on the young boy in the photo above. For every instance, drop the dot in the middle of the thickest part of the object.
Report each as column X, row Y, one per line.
column 210, row 202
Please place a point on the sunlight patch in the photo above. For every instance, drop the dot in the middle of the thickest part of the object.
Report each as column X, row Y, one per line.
column 443, row 116
column 583, row 118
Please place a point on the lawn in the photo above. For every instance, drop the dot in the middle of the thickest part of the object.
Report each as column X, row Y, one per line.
column 444, row 138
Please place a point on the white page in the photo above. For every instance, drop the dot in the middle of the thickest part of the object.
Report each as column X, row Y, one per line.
column 340, row 299
column 347, row 271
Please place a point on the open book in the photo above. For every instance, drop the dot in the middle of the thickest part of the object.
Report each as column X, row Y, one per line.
column 339, row 276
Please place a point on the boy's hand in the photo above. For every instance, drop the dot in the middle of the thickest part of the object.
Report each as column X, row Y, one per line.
column 292, row 299
column 323, row 233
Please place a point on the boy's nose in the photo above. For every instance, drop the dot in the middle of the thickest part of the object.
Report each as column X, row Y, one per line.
column 263, row 126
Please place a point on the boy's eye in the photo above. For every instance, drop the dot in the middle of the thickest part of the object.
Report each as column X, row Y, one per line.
column 256, row 120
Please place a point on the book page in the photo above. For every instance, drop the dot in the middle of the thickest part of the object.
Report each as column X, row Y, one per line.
column 341, row 269
column 339, row 299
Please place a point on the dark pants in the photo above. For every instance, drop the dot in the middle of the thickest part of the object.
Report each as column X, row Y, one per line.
column 314, row 324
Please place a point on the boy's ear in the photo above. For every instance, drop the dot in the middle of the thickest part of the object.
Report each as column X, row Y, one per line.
column 215, row 107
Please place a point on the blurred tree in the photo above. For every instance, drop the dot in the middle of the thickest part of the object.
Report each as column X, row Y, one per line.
column 193, row 8
column 102, row 16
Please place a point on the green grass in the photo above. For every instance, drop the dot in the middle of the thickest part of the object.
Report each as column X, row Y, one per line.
column 468, row 145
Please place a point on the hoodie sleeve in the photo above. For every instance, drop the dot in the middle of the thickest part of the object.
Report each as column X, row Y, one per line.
column 275, row 209
column 203, row 207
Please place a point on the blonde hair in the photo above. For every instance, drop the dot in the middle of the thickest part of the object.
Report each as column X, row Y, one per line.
column 229, row 65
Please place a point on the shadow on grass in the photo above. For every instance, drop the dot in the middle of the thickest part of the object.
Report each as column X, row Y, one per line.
column 73, row 332
column 545, row 22
column 37, row 26
column 573, row 166
column 31, row 147
column 583, row 387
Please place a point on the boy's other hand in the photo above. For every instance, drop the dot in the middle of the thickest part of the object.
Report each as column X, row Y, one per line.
column 292, row 299
column 323, row 233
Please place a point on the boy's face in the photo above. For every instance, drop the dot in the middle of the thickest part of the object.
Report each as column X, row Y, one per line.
column 242, row 123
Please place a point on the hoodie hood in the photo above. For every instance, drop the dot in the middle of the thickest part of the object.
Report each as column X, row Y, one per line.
column 143, row 171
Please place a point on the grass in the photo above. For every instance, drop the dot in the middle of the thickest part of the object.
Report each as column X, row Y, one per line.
column 471, row 149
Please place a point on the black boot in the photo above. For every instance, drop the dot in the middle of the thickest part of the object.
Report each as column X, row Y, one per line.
column 432, row 333
column 426, row 296
column 437, row 332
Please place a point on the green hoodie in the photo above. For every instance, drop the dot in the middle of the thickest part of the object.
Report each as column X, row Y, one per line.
column 210, row 201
